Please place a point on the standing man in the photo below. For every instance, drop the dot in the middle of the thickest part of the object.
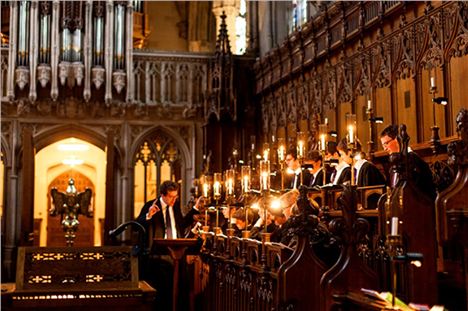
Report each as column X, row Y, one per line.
column 162, row 217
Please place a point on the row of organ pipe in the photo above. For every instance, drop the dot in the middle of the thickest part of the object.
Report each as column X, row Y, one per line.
column 73, row 38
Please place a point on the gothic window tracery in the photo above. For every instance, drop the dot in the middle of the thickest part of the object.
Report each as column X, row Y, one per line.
column 157, row 159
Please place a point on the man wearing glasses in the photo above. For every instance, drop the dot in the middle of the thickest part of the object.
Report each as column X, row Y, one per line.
column 419, row 170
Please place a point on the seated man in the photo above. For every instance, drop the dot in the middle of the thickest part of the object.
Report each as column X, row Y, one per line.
column 367, row 174
column 243, row 221
column 292, row 178
column 343, row 169
column 316, row 170
column 419, row 172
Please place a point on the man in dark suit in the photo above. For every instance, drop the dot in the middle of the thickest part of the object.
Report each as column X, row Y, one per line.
column 162, row 217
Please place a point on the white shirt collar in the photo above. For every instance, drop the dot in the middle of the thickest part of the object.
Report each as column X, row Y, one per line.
column 359, row 163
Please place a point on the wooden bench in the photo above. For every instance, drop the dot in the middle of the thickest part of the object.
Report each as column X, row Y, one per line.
column 77, row 278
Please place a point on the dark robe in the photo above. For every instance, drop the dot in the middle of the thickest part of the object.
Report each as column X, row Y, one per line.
column 420, row 174
column 370, row 175
column 289, row 179
column 318, row 180
column 344, row 176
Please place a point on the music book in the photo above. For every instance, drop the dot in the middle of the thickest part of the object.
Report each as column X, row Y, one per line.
column 386, row 297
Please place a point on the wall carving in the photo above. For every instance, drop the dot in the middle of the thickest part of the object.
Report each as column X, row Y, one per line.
column 339, row 61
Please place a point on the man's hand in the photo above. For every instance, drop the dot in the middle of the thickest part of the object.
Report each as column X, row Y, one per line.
column 152, row 210
column 200, row 204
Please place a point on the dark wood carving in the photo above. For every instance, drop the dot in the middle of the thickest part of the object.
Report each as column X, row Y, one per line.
column 409, row 204
column 452, row 213
column 349, row 273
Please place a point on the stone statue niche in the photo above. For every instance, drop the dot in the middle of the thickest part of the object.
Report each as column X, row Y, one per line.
column 69, row 205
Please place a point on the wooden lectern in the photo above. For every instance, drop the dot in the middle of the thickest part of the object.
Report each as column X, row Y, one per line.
column 177, row 249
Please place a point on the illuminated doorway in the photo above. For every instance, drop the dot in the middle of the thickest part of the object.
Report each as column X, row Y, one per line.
column 69, row 157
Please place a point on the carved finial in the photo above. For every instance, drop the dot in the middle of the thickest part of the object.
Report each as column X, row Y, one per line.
column 458, row 150
column 222, row 44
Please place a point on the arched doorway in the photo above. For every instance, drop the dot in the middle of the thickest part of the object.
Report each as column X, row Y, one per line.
column 54, row 164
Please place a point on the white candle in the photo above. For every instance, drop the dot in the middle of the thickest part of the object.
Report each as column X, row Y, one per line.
column 432, row 82
column 253, row 146
column 351, row 133
column 281, row 153
column 394, row 226
column 246, row 183
column 265, row 155
column 216, row 188
column 369, row 105
column 205, row 190
column 326, row 120
column 322, row 142
column 230, row 186
column 300, row 148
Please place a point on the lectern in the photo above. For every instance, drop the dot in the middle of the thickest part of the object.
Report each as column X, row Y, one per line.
column 178, row 249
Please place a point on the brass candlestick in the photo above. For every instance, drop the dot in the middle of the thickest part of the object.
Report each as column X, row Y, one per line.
column 435, row 138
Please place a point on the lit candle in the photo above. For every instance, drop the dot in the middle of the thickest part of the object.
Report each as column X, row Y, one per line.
column 322, row 142
column 351, row 133
column 206, row 188
column 369, row 105
column 394, row 227
column 246, row 184
column 300, row 150
column 432, row 82
column 265, row 155
column 230, row 188
column 217, row 188
column 281, row 153
column 206, row 217
column 264, row 175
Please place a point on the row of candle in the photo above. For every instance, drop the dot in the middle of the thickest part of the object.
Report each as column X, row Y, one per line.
column 264, row 167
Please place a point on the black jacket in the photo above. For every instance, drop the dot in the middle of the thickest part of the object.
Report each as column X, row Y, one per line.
column 156, row 228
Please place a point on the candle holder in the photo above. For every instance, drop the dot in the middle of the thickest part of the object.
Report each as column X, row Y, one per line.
column 266, row 151
column 281, row 155
column 351, row 126
column 435, row 138
column 245, row 175
column 370, row 142
column 301, row 148
column 264, row 175
column 323, row 135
